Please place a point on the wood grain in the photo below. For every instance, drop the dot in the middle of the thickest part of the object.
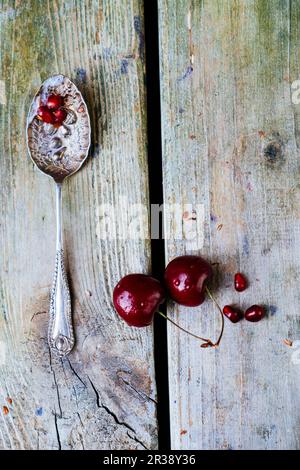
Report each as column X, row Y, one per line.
column 231, row 145
column 102, row 396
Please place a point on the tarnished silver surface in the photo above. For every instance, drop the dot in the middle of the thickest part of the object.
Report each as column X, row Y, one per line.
column 59, row 152
column 60, row 332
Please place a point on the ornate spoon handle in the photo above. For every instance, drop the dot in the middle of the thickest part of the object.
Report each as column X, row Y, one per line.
column 60, row 334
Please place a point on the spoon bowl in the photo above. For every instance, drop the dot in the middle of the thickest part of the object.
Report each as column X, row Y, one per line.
column 59, row 151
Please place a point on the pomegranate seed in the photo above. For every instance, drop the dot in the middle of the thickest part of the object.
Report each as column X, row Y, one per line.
column 44, row 114
column 255, row 313
column 54, row 102
column 60, row 115
column 233, row 315
column 240, row 282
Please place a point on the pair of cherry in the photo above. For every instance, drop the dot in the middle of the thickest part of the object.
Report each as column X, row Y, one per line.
column 254, row 313
column 52, row 112
column 137, row 297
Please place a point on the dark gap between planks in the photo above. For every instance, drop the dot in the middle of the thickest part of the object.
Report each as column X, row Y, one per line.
column 156, row 197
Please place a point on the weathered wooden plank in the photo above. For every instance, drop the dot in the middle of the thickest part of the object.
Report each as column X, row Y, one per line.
column 103, row 396
column 231, row 147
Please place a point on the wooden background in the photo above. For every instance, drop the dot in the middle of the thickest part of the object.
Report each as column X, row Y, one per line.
column 231, row 143
column 103, row 395
column 230, row 136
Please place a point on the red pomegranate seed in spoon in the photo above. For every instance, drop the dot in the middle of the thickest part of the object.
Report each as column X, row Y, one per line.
column 45, row 115
column 60, row 115
column 54, row 102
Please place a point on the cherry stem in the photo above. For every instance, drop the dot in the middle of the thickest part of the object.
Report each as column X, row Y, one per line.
column 221, row 313
column 207, row 342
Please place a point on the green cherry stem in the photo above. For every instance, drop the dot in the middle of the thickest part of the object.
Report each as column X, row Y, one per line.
column 207, row 342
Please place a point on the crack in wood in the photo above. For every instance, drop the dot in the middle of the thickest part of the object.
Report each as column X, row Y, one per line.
column 75, row 373
column 134, row 438
column 79, row 417
column 140, row 393
column 37, row 313
column 114, row 416
column 56, row 384
column 57, row 430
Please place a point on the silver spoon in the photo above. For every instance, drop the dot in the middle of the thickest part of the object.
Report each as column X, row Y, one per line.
column 59, row 152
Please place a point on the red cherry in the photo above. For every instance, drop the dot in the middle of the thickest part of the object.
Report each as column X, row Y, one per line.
column 185, row 278
column 255, row 313
column 233, row 315
column 137, row 297
column 60, row 115
column 240, row 282
column 54, row 102
column 44, row 114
